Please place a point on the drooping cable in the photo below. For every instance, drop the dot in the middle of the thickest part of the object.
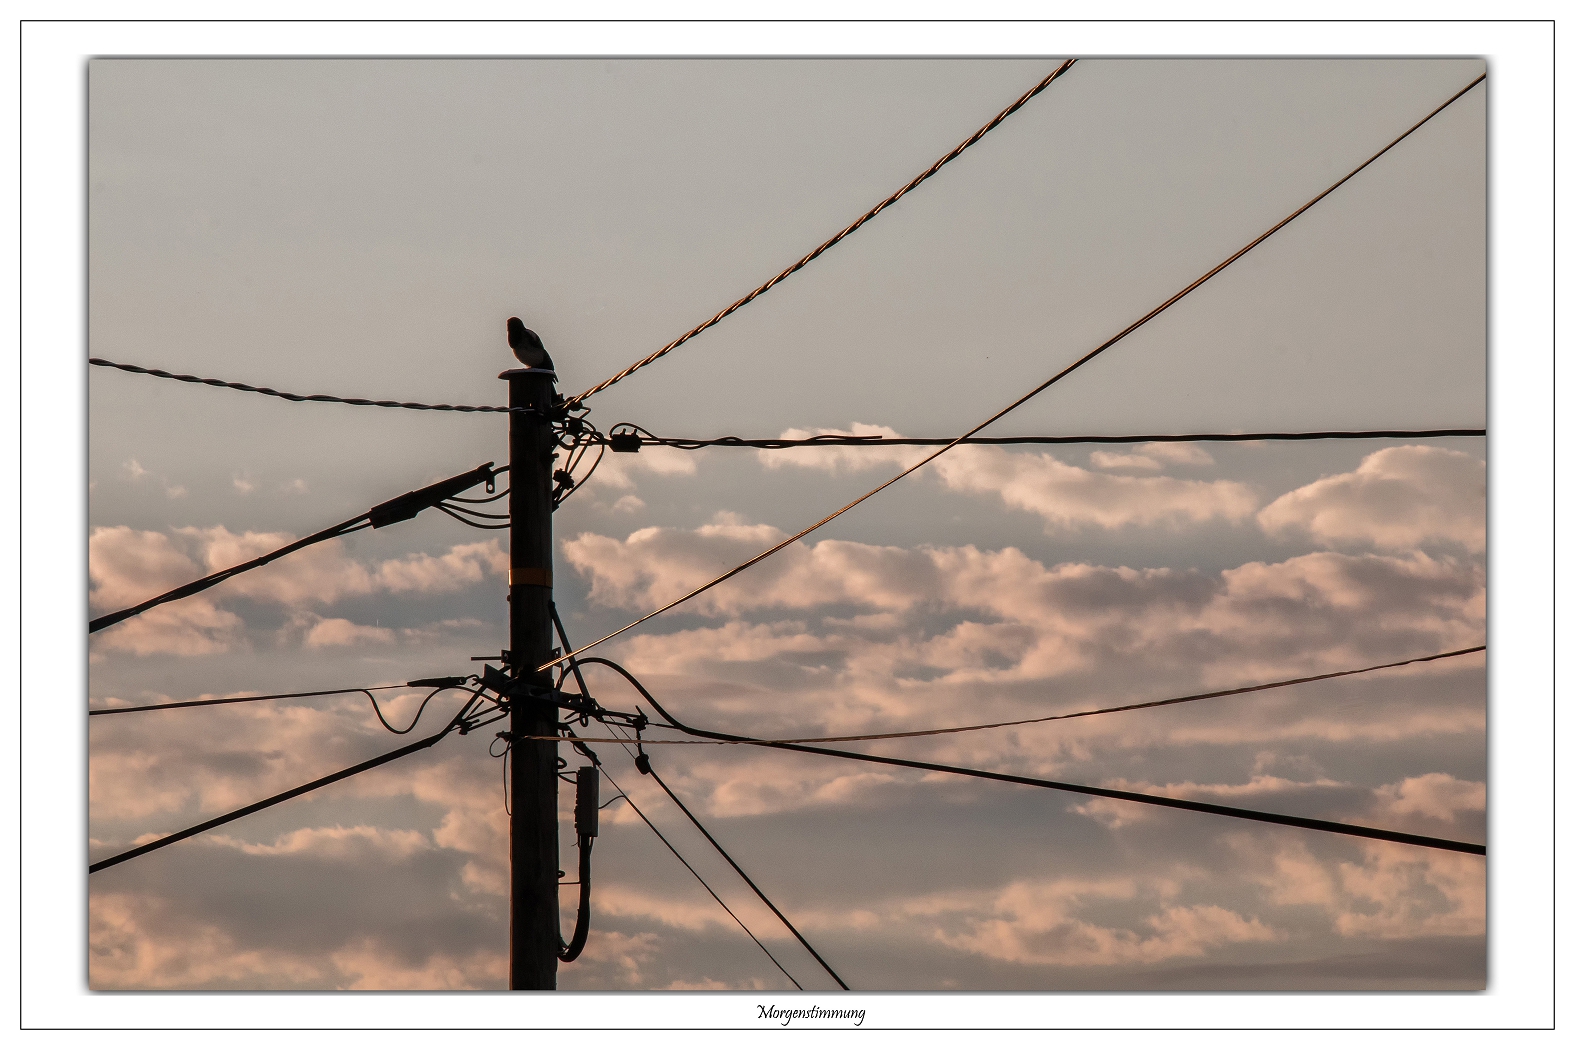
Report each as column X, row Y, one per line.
column 909, row 734
column 1305, row 823
column 634, row 437
column 458, row 515
column 574, row 666
column 587, row 813
column 420, row 683
column 1068, row 370
column 454, row 723
column 400, row 508
column 818, row 252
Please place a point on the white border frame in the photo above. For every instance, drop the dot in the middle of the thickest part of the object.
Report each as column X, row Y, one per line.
column 52, row 975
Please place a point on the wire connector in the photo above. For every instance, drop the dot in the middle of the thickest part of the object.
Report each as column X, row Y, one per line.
column 403, row 508
column 440, row 683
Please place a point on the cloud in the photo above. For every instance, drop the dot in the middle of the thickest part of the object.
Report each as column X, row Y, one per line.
column 1066, row 497
column 190, row 627
column 1150, row 455
column 1323, row 610
column 127, row 566
column 1398, row 498
column 343, row 844
column 619, row 470
column 1177, row 452
column 343, row 632
column 368, row 964
column 136, row 471
column 1121, row 461
column 1038, row 924
column 1435, row 795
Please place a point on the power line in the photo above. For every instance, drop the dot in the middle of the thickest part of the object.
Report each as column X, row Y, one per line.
column 1052, row 718
column 574, row 666
column 420, row 683
column 812, row 256
column 457, row 722
column 641, row 814
column 1306, row 823
column 645, row 767
column 401, row 508
column 329, row 398
column 1068, row 370
column 344, row 528
column 422, row 407
column 633, row 439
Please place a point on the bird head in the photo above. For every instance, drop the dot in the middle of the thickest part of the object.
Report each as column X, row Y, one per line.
column 527, row 345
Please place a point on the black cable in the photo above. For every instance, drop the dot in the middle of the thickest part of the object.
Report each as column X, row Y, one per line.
column 473, row 513
column 1239, row 690
column 1306, row 823
column 329, row 398
column 645, row 767
column 344, row 528
column 582, row 921
column 239, row 700
column 671, row 848
column 401, row 732
column 812, row 256
column 473, row 524
column 1035, row 392
column 876, row 440
column 285, row 796
column 490, row 499
column 400, row 508
column 563, row 638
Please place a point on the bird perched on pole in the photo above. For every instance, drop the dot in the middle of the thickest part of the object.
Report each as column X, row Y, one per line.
column 527, row 346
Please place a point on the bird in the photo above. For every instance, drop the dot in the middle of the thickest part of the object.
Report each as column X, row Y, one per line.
column 527, row 346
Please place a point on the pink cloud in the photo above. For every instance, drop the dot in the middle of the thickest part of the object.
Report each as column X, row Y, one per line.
column 1398, row 498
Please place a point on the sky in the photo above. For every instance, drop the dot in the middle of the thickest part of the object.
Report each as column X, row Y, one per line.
column 364, row 227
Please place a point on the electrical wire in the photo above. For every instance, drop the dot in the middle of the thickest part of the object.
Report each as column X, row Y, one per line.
column 344, row 528
column 240, row 700
column 1068, row 370
column 576, row 436
column 454, row 513
column 674, row 850
column 646, row 768
column 489, row 499
column 643, row 763
column 400, row 508
column 328, row 398
column 419, row 406
column 563, row 638
column 474, row 513
column 818, row 252
column 878, row 440
column 1043, row 718
column 1305, row 823
column 457, row 722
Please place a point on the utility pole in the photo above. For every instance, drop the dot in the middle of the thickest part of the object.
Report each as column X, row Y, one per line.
column 534, row 937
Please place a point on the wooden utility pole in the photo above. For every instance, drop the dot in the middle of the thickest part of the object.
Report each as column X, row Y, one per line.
column 534, row 937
